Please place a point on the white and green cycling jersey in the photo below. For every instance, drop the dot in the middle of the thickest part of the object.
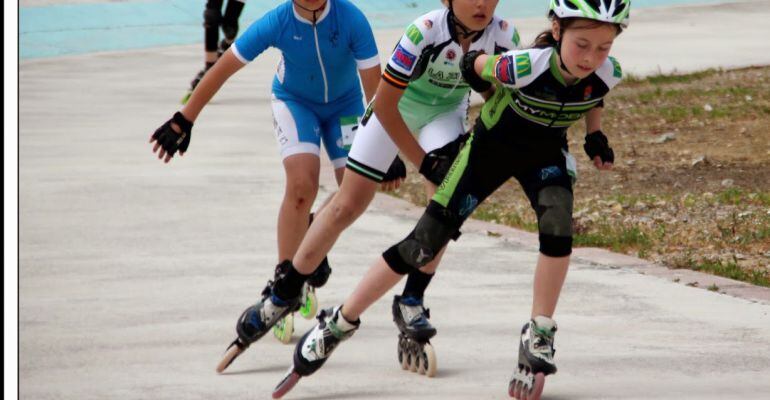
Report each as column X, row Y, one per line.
column 426, row 63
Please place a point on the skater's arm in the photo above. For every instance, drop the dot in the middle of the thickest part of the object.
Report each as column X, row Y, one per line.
column 594, row 119
column 227, row 65
column 370, row 78
column 386, row 109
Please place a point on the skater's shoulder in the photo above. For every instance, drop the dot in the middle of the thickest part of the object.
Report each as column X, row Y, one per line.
column 346, row 6
column 610, row 72
column 504, row 32
column 349, row 14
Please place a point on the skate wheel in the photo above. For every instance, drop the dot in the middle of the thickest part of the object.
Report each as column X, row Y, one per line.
column 537, row 387
column 230, row 355
column 402, row 356
column 309, row 306
column 514, row 389
column 414, row 356
column 427, row 361
column 284, row 329
column 286, row 384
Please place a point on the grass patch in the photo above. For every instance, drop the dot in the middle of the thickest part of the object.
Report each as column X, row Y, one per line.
column 729, row 269
column 510, row 218
column 615, row 238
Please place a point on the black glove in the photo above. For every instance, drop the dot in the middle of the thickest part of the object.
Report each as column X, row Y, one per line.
column 397, row 170
column 169, row 139
column 469, row 72
column 597, row 145
column 437, row 162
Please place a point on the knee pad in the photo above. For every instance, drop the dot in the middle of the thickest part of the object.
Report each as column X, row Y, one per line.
column 554, row 216
column 230, row 19
column 421, row 246
column 212, row 18
column 212, row 15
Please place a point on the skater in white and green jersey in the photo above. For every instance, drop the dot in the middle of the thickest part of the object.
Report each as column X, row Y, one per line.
column 520, row 133
column 419, row 110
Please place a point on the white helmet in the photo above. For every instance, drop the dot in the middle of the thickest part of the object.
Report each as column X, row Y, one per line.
column 612, row 11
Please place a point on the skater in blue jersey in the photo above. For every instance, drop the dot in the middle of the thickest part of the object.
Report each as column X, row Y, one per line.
column 521, row 133
column 326, row 45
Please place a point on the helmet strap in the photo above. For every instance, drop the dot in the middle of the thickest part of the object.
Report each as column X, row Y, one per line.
column 558, row 52
column 461, row 29
column 316, row 11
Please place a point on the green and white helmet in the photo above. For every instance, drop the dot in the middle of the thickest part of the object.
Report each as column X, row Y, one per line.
column 612, row 11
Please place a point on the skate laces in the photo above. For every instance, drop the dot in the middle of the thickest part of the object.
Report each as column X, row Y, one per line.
column 271, row 308
column 542, row 332
column 413, row 311
column 336, row 324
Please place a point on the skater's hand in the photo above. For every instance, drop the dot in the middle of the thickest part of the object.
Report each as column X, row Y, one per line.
column 602, row 165
column 395, row 175
column 598, row 149
column 436, row 164
column 172, row 136
column 391, row 185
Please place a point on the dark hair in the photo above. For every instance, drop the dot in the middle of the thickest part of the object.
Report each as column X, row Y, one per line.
column 546, row 39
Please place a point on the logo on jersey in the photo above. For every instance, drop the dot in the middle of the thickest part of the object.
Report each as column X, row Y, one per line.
column 503, row 25
column 618, row 73
column 450, row 55
column 516, row 38
column 523, row 65
column 504, row 70
column 403, row 58
column 587, row 92
column 428, row 23
column 550, row 172
column 468, row 205
column 414, row 34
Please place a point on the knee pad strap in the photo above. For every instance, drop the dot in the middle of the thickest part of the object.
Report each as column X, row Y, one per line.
column 555, row 246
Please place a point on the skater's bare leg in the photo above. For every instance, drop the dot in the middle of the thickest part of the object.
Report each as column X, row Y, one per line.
column 302, row 172
column 549, row 279
column 354, row 196
column 338, row 177
column 211, row 57
column 338, row 174
column 378, row 280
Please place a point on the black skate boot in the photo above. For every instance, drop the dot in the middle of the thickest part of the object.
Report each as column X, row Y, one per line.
column 415, row 352
column 258, row 319
column 535, row 359
column 316, row 346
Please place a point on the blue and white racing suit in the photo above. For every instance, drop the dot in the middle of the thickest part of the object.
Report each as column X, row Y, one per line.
column 316, row 90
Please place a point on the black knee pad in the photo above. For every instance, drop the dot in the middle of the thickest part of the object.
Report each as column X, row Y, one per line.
column 430, row 235
column 555, row 246
column 212, row 19
column 554, row 217
column 230, row 19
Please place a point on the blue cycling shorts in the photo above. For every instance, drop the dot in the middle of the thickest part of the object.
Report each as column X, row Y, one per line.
column 301, row 126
